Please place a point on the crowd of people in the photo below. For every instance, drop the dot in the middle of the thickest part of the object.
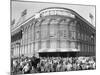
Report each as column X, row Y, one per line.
column 33, row 64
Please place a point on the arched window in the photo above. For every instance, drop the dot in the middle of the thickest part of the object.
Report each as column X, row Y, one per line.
column 53, row 28
column 44, row 28
column 28, row 35
column 73, row 26
column 63, row 28
column 73, row 35
column 37, row 30
column 25, row 35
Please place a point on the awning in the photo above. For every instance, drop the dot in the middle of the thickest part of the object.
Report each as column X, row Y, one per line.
column 59, row 50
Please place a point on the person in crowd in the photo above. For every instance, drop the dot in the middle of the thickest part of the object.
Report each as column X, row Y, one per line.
column 15, row 65
column 34, row 61
column 27, row 68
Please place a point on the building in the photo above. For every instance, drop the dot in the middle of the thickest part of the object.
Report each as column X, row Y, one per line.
column 54, row 31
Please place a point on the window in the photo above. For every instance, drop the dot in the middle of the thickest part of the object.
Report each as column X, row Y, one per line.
column 72, row 26
column 44, row 31
column 63, row 44
column 17, row 51
column 25, row 49
column 32, row 35
column 37, row 34
column 85, row 37
column 53, row 44
column 78, row 45
column 82, row 36
column 48, row 44
column 78, row 35
column 36, row 45
column 46, row 13
column 63, row 29
column 24, row 37
column 43, row 44
column 29, row 49
column 32, row 48
column 73, row 35
column 45, row 21
column 37, row 31
column 53, row 28
column 20, row 50
column 52, row 12
column 72, row 45
column 65, row 33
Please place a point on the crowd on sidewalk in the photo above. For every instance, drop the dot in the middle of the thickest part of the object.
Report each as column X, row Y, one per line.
column 27, row 65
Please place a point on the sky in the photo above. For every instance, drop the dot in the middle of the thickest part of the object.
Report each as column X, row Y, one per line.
column 33, row 7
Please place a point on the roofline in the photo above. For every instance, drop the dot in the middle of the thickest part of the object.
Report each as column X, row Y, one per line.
column 75, row 13
column 72, row 11
column 21, row 24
